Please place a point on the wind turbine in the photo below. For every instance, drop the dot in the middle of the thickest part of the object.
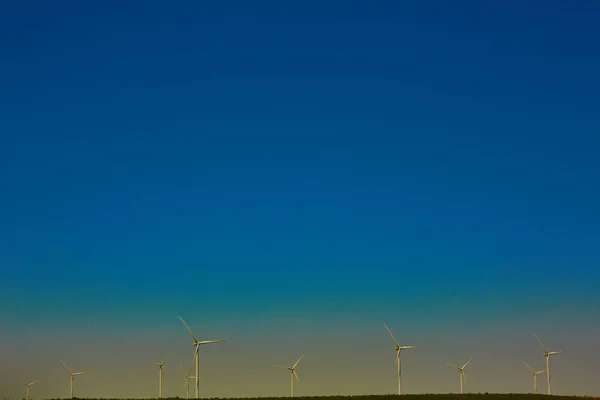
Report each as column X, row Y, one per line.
column 197, row 345
column 27, row 386
column 535, row 374
column 187, row 381
column 71, row 376
column 160, row 369
column 293, row 372
column 398, row 350
column 462, row 372
column 547, row 354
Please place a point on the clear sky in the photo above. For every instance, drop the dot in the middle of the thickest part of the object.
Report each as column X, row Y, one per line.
column 289, row 176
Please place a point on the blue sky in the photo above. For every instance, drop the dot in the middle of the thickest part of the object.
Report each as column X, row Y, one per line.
column 299, row 164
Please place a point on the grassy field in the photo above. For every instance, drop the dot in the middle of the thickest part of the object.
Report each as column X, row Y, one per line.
column 449, row 396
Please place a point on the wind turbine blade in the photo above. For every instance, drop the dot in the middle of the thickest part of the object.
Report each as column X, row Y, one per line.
column 66, row 366
column 408, row 347
column 391, row 334
column 551, row 353
column 194, row 357
column 189, row 330
column 211, row 341
column 452, row 365
column 33, row 383
column 540, row 372
column 25, row 383
column 296, row 376
column 163, row 361
column 527, row 365
column 78, row 373
column 281, row 366
column 464, row 376
column 470, row 358
column 540, row 342
column 294, row 366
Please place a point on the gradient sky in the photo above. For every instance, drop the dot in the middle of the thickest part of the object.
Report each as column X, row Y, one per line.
column 289, row 177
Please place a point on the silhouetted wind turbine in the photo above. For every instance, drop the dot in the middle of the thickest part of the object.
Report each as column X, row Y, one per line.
column 160, row 369
column 462, row 372
column 398, row 350
column 197, row 345
column 535, row 374
column 27, row 386
column 547, row 354
column 293, row 375
column 71, row 376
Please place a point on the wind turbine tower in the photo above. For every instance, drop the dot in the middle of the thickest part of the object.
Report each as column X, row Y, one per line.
column 535, row 374
column 160, row 369
column 398, row 350
column 27, row 386
column 197, row 345
column 72, row 375
column 187, row 381
column 462, row 372
column 293, row 374
column 547, row 354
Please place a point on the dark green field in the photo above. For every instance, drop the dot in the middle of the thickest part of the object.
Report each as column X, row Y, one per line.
column 449, row 396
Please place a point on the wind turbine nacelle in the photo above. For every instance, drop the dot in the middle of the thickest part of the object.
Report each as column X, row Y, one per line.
column 397, row 347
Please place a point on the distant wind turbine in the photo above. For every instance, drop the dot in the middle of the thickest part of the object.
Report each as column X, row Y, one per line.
column 398, row 350
column 535, row 374
column 462, row 372
column 547, row 354
column 197, row 345
column 187, row 380
column 293, row 375
column 72, row 375
column 160, row 369
column 27, row 386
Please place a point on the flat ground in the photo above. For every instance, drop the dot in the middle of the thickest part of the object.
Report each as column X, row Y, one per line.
column 449, row 396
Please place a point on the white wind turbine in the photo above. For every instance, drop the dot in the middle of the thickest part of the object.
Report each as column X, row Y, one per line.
column 160, row 369
column 398, row 350
column 27, row 386
column 72, row 375
column 462, row 372
column 187, row 381
column 293, row 375
column 197, row 345
column 547, row 354
column 535, row 374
